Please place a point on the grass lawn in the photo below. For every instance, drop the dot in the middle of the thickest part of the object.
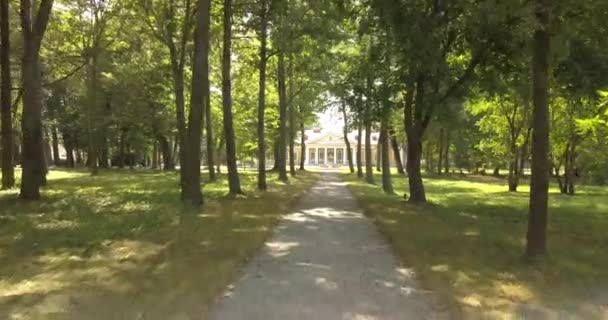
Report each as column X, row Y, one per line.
column 468, row 244
column 116, row 246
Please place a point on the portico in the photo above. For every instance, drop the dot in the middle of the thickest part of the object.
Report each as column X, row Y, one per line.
column 329, row 148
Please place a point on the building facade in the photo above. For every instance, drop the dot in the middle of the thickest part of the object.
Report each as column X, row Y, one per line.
column 328, row 149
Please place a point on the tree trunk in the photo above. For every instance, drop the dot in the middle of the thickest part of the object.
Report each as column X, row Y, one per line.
column 191, row 188
column 262, row 97
column 104, row 154
column 69, row 150
column 154, row 155
column 282, row 118
column 8, row 171
column 32, row 154
column 513, row 179
column 369, row 169
column 379, row 153
column 539, row 188
column 496, row 172
column 79, row 157
column 440, row 152
column 349, row 152
column 446, row 155
column 302, row 145
column 570, row 169
column 178, row 90
column 396, row 152
column 275, row 155
column 55, row 146
column 121, row 150
column 47, row 157
column 234, row 184
column 165, row 149
column 208, row 120
column 414, row 155
column 513, row 175
column 292, row 119
column 414, row 131
column 359, row 153
column 387, row 184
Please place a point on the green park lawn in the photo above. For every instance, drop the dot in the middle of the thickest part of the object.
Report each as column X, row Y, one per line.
column 467, row 245
column 121, row 246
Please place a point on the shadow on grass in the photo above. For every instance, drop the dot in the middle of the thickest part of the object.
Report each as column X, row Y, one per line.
column 121, row 245
column 468, row 246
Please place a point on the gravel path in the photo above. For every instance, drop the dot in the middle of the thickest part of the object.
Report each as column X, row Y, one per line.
column 325, row 261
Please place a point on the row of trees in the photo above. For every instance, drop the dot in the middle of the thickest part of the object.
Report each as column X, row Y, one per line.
column 110, row 84
column 161, row 82
column 439, row 69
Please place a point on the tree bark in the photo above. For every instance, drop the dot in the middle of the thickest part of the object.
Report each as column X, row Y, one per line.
column 55, row 145
column 208, row 117
column 387, row 184
column 369, row 169
column 396, row 153
column 234, row 184
column 379, row 153
column 8, row 170
column 191, row 188
column 69, row 149
column 262, row 97
column 359, row 153
column 349, row 152
column 414, row 131
column 282, row 118
column 440, row 152
column 414, row 155
column 446, row 156
column 154, row 163
column 104, row 154
column 32, row 154
column 165, row 150
column 302, row 145
column 121, row 149
column 539, row 188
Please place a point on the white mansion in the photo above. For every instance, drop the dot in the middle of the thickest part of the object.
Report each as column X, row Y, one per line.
column 327, row 148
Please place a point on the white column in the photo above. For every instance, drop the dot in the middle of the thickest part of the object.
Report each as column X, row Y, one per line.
column 305, row 155
column 316, row 156
column 335, row 156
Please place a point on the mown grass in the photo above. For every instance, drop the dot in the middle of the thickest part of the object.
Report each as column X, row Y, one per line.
column 468, row 244
column 121, row 245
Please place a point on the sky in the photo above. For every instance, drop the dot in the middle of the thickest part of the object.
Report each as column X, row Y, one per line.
column 331, row 120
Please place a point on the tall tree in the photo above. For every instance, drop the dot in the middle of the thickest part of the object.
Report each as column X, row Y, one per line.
column 396, row 151
column 33, row 28
column 359, row 153
column 233, row 175
column 263, row 35
column 8, row 171
column 539, row 183
column 349, row 152
column 191, row 187
column 292, row 119
column 282, row 139
column 387, row 184
column 171, row 23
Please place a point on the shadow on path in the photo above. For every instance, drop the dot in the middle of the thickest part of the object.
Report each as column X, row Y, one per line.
column 325, row 261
